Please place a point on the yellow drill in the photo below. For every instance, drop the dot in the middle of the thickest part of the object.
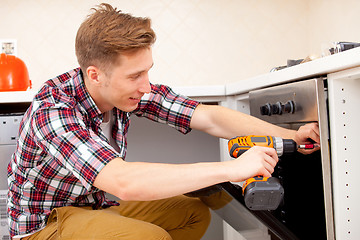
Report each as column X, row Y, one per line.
column 263, row 193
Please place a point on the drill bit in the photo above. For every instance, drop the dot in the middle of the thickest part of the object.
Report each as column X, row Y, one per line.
column 308, row 146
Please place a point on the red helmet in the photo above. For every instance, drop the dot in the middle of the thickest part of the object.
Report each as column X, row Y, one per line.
column 14, row 75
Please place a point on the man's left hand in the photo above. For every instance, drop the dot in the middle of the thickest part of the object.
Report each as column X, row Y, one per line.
column 308, row 134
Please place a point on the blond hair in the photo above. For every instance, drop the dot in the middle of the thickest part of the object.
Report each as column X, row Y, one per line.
column 108, row 32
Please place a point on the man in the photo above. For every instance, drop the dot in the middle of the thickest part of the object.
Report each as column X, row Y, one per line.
column 72, row 146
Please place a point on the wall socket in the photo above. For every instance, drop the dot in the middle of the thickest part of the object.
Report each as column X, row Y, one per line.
column 8, row 46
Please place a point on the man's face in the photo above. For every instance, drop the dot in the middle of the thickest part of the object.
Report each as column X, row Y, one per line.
column 127, row 82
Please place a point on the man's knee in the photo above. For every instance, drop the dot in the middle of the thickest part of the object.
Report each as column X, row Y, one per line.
column 201, row 212
column 198, row 220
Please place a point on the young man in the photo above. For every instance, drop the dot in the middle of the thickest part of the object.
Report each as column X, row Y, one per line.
column 72, row 146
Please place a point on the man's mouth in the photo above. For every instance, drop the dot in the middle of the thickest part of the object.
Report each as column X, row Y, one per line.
column 135, row 99
column 139, row 98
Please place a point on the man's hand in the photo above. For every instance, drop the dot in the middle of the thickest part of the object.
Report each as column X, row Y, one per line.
column 257, row 161
column 306, row 134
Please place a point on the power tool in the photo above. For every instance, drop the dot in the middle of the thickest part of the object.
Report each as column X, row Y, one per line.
column 263, row 193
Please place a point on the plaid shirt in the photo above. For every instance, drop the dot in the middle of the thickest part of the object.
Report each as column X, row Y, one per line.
column 61, row 148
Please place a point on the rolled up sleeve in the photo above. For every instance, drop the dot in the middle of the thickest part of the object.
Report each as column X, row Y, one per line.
column 163, row 105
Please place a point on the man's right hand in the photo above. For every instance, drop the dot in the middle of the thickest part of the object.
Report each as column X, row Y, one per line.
column 257, row 161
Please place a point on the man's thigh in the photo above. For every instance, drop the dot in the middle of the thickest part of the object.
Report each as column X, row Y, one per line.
column 182, row 217
column 173, row 218
column 84, row 223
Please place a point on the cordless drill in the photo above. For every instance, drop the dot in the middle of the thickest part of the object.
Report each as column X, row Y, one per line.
column 263, row 193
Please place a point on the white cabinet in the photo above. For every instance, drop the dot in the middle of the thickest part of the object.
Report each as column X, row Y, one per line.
column 344, row 118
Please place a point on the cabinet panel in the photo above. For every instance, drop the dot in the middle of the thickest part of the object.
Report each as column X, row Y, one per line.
column 344, row 98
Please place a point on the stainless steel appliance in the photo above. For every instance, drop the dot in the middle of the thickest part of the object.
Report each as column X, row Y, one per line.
column 10, row 117
column 307, row 210
column 307, row 206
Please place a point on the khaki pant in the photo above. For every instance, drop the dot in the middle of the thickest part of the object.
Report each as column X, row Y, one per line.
column 174, row 218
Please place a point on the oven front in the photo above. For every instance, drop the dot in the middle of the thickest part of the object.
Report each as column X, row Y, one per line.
column 307, row 209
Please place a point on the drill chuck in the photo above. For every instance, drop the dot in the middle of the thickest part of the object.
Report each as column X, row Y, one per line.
column 284, row 146
column 290, row 146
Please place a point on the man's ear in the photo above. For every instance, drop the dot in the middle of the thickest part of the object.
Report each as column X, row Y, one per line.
column 92, row 74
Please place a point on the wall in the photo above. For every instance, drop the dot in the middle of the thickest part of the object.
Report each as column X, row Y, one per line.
column 199, row 41
column 332, row 20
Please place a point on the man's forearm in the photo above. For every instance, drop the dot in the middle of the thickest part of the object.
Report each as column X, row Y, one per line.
column 227, row 123
column 150, row 181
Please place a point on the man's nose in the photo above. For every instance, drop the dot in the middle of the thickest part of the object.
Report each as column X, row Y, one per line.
column 145, row 85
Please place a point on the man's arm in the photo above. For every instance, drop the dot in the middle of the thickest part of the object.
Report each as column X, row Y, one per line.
column 227, row 123
column 150, row 181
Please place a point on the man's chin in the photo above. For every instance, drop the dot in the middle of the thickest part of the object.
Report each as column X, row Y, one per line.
column 129, row 108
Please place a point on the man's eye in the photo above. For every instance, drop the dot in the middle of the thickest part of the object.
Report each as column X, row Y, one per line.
column 135, row 76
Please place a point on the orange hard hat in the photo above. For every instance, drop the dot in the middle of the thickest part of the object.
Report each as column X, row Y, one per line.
column 14, row 75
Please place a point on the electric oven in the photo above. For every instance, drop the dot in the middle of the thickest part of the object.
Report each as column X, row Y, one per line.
column 306, row 211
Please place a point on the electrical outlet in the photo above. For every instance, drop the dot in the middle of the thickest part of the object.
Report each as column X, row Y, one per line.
column 8, row 46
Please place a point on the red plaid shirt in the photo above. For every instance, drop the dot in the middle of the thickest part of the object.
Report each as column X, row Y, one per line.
column 61, row 148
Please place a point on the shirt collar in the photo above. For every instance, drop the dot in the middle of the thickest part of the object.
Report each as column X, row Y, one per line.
column 83, row 96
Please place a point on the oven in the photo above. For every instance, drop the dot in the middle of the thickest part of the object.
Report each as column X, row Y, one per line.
column 307, row 207
column 306, row 211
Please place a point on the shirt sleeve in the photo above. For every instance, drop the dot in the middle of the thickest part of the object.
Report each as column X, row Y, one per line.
column 164, row 106
column 64, row 136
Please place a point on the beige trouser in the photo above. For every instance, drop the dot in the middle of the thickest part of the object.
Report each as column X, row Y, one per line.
column 174, row 218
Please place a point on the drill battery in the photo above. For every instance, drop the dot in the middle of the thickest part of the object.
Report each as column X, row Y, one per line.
column 262, row 193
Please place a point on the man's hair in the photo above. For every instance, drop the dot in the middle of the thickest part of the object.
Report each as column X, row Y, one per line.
column 107, row 33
